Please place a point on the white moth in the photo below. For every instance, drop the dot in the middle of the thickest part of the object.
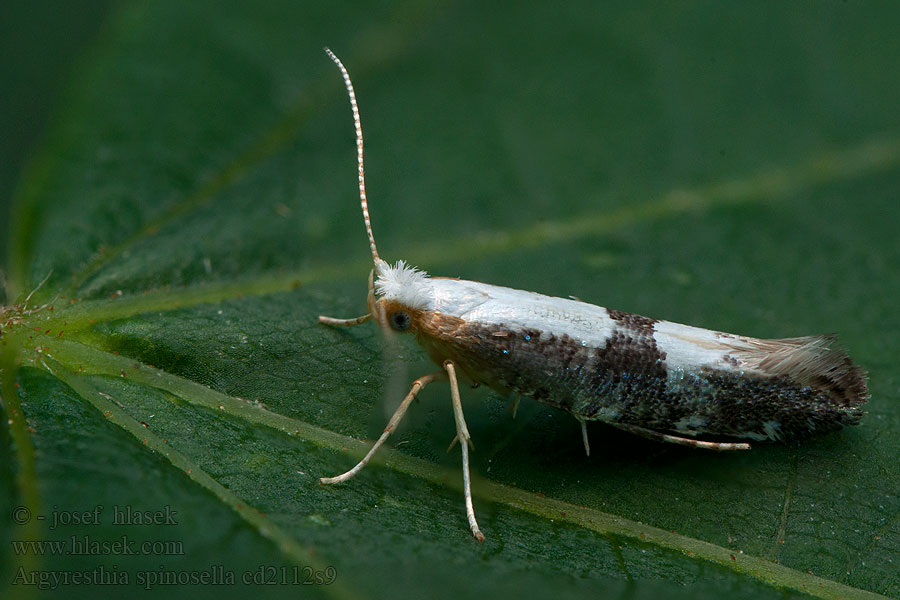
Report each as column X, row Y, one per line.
column 657, row 379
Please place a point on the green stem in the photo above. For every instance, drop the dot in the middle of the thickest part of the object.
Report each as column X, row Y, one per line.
column 28, row 495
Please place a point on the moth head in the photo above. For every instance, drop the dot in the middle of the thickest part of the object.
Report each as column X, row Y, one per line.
column 399, row 295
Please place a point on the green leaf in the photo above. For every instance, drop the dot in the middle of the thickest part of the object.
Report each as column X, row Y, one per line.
column 193, row 210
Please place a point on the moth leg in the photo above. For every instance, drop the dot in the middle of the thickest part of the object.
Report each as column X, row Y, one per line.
column 681, row 441
column 344, row 322
column 514, row 407
column 462, row 434
column 584, row 438
column 417, row 385
column 370, row 300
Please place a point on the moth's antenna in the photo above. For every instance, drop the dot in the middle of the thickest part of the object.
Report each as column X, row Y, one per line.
column 359, row 151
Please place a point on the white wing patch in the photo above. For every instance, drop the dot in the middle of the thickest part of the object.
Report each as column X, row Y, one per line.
column 804, row 359
column 486, row 304
column 687, row 348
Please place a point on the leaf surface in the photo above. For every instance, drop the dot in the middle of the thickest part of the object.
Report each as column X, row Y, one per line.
column 193, row 211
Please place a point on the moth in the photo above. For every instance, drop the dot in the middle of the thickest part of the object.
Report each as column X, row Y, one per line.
column 661, row 380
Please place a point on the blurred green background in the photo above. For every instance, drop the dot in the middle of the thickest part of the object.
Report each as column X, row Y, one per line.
column 185, row 181
column 39, row 43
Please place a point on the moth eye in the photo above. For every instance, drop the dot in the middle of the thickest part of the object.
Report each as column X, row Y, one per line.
column 400, row 321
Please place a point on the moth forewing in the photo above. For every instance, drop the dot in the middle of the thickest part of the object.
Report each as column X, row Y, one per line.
column 662, row 380
column 621, row 368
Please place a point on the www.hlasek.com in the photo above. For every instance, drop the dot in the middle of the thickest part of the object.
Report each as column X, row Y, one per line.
column 85, row 545
column 149, row 579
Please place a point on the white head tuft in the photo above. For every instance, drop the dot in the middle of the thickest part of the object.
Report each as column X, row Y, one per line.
column 404, row 284
column 399, row 283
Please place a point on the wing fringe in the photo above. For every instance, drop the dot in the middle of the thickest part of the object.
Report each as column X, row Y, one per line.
column 816, row 361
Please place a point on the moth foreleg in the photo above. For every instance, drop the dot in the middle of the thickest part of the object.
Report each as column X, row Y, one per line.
column 681, row 441
column 344, row 322
column 462, row 434
column 417, row 386
column 514, row 407
column 584, row 438
column 370, row 300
